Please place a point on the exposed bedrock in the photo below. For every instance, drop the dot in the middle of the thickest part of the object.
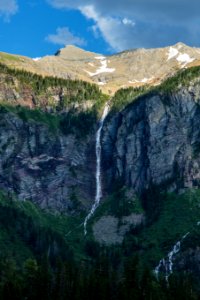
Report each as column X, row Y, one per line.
column 155, row 140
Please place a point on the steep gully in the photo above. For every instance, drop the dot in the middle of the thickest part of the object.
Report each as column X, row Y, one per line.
column 98, row 168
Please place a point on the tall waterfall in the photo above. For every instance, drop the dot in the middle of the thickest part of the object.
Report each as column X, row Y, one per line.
column 98, row 169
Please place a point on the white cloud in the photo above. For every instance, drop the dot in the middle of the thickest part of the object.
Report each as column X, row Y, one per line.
column 128, row 22
column 64, row 37
column 140, row 23
column 162, row 10
column 113, row 30
column 8, row 8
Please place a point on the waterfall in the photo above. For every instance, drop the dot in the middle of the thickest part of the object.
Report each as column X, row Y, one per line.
column 98, row 168
column 166, row 265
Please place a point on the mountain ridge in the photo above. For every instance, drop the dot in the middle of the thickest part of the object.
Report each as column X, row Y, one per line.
column 131, row 68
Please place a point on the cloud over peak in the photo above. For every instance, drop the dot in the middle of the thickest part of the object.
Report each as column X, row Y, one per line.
column 64, row 37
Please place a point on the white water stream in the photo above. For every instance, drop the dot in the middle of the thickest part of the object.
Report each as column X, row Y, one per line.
column 98, row 169
column 166, row 265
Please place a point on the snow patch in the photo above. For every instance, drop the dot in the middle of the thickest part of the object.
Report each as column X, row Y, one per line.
column 101, row 83
column 144, row 80
column 172, row 53
column 182, row 58
column 36, row 58
column 185, row 59
column 100, row 57
column 103, row 68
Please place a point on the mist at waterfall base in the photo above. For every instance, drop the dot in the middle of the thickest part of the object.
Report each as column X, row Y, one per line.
column 98, row 168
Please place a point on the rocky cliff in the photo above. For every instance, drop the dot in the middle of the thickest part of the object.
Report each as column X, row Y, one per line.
column 47, row 140
column 155, row 141
column 53, row 170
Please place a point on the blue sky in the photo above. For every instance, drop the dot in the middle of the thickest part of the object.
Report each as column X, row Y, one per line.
column 39, row 27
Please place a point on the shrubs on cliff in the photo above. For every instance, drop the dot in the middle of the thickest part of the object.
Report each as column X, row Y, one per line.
column 76, row 111
column 79, row 124
column 69, row 91
column 181, row 78
column 125, row 96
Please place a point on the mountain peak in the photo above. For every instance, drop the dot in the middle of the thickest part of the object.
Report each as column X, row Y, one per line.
column 180, row 45
column 73, row 52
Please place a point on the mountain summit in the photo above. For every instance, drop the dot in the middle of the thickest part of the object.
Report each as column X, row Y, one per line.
column 71, row 52
column 129, row 68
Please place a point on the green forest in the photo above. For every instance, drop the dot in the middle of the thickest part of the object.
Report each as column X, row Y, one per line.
column 40, row 261
column 97, row 279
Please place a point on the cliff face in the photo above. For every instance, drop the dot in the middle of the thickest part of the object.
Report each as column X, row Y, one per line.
column 155, row 141
column 47, row 139
column 53, row 170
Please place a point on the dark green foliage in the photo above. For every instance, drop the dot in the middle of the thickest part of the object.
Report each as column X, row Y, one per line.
column 76, row 90
column 39, row 116
column 182, row 78
column 38, row 238
column 70, row 114
column 125, row 96
column 152, row 202
column 79, row 123
column 92, row 249
column 48, row 270
column 89, row 281
column 120, row 205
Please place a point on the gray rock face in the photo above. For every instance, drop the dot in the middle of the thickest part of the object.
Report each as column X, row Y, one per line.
column 109, row 230
column 52, row 170
column 155, row 140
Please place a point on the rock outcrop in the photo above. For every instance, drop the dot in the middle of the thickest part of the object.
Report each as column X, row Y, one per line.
column 109, row 230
